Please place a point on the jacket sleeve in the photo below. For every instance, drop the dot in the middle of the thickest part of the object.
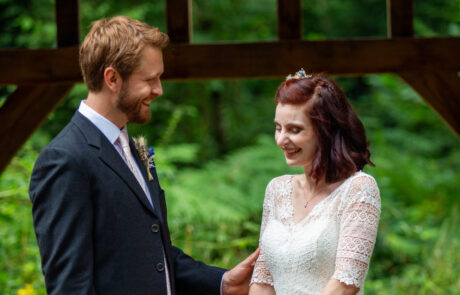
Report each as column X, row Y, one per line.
column 194, row 277
column 62, row 213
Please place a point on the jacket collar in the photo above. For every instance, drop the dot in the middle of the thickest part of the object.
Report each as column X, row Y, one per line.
column 111, row 158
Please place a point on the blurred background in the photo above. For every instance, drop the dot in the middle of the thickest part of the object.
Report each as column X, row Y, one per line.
column 215, row 153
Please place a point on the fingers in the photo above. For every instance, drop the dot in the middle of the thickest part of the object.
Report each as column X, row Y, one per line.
column 251, row 259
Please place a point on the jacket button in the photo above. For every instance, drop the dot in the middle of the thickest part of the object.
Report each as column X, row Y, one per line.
column 155, row 228
column 160, row 267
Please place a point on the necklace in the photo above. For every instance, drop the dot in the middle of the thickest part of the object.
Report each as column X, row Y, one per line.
column 308, row 201
column 315, row 194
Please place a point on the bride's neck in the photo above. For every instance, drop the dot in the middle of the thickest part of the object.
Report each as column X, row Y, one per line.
column 310, row 184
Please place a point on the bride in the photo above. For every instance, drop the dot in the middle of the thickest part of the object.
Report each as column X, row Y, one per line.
column 318, row 228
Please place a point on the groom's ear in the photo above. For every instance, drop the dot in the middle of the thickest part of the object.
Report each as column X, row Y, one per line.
column 112, row 79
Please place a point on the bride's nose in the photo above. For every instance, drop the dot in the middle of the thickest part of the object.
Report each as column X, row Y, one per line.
column 281, row 139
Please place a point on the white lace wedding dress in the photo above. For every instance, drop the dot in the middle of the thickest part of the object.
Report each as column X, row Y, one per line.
column 335, row 240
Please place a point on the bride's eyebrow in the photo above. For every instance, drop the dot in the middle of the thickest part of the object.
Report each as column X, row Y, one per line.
column 296, row 125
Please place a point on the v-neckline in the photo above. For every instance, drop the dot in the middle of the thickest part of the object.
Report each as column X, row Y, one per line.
column 291, row 182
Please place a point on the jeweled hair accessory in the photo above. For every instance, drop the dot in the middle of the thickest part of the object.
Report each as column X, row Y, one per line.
column 299, row 75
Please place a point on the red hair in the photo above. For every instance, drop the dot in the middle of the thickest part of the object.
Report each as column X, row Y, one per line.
column 342, row 144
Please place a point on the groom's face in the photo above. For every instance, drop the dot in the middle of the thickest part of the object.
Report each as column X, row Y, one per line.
column 142, row 87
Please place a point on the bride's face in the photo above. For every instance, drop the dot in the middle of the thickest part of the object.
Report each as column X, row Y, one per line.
column 294, row 135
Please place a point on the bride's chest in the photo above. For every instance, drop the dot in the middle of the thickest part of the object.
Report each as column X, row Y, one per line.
column 311, row 241
column 318, row 237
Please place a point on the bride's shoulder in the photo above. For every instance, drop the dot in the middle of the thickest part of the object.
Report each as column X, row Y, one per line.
column 361, row 179
column 362, row 188
column 280, row 182
column 281, row 179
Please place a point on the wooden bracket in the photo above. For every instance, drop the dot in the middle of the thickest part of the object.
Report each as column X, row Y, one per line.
column 441, row 90
column 23, row 112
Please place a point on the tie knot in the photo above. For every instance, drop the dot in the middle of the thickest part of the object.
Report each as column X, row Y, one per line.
column 124, row 139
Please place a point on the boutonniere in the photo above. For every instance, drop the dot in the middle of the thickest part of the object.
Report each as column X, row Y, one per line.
column 146, row 154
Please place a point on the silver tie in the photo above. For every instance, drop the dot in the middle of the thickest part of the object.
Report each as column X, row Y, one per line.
column 128, row 157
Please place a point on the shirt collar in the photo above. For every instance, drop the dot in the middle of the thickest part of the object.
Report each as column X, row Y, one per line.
column 110, row 130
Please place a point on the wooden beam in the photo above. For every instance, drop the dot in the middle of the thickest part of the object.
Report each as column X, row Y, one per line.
column 400, row 18
column 68, row 22
column 289, row 20
column 441, row 90
column 249, row 60
column 178, row 18
column 49, row 65
column 338, row 57
column 23, row 112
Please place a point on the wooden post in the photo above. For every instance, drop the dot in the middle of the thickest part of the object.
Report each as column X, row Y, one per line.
column 400, row 18
column 68, row 22
column 178, row 18
column 289, row 20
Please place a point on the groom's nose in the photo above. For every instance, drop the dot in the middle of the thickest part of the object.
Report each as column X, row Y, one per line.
column 157, row 89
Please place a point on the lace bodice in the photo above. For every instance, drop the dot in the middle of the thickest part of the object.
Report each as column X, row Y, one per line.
column 335, row 240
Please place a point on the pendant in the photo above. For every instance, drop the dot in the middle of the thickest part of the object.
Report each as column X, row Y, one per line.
column 306, row 204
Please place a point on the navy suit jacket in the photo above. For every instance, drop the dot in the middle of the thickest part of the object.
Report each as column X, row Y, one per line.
column 95, row 228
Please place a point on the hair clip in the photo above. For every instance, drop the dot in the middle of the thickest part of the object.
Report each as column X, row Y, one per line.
column 299, row 75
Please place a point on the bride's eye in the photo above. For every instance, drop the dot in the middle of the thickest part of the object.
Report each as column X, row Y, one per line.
column 277, row 128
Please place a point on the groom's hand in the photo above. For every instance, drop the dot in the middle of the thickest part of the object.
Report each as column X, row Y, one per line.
column 236, row 280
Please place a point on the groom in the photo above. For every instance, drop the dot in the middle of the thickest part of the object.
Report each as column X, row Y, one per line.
column 100, row 221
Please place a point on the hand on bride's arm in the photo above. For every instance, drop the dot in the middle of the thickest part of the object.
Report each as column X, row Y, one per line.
column 334, row 287
column 261, row 289
column 236, row 281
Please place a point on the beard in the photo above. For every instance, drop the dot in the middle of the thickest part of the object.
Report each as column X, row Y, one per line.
column 132, row 106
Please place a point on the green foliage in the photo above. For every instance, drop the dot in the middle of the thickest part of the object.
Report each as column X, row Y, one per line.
column 19, row 255
column 230, row 20
column 343, row 19
column 215, row 153
column 439, row 273
column 27, row 23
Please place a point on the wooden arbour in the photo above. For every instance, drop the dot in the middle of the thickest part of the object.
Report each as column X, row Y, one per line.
column 45, row 76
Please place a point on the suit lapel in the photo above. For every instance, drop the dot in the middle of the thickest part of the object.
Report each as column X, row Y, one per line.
column 109, row 155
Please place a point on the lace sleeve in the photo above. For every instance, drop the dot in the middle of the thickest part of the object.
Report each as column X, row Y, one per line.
column 358, row 230
column 261, row 273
